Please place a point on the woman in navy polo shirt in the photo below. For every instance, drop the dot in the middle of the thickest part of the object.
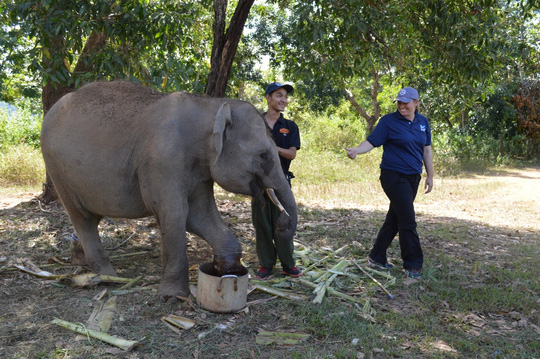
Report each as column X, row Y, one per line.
column 406, row 139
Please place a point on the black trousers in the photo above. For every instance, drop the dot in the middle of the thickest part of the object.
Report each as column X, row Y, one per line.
column 264, row 217
column 401, row 189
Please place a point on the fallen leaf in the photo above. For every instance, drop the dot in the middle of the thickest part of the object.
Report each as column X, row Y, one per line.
column 180, row 322
column 443, row 346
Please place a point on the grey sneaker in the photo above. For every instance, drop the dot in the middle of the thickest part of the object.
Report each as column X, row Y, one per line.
column 413, row 273
column 373, row 263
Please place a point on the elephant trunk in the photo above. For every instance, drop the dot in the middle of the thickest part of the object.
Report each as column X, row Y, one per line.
column 286, row 224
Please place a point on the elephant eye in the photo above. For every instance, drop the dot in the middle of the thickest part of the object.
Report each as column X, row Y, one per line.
column 264, row 156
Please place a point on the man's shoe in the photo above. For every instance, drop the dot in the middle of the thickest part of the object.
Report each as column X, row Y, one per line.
column 293, row 272
column 373, row 263
column 413, row 273
column 263, row 273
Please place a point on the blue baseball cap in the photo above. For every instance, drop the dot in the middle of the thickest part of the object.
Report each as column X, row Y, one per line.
column 276, row 85
column 407, row 94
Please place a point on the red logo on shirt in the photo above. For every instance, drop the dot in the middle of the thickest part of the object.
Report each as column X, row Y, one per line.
column 283, row 130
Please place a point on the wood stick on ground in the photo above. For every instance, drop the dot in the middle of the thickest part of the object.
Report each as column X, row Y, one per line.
column 375, row 280
column 104, row 337
column 129, row 254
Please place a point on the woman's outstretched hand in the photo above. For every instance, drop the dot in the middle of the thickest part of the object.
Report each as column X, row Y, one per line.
column 351, row 152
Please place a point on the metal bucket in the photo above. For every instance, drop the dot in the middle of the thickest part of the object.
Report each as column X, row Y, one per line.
column 226, row 294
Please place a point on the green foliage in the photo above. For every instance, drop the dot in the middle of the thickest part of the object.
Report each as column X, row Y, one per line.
column 491, row 135
column 20, row 127
column 21, row 165
column 463, row 146
column 453, row 50
column 159, row 42
column 332, row 130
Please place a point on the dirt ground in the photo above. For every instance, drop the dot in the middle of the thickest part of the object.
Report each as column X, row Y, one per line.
column 36, row 233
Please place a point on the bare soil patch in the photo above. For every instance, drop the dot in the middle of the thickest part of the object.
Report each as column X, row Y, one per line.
column 487, row 223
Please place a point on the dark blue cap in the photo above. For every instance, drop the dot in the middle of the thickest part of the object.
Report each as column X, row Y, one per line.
column 276, row 85
column 407, row 94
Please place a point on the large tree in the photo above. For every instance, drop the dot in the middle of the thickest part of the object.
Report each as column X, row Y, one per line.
column 161, row 43
column 457, row 47
column 81, row 41
column 225, row 44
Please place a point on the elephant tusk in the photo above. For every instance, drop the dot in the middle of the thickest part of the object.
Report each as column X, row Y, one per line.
column 272, row 195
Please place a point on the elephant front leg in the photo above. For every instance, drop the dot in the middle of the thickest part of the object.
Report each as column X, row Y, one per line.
column 175, row 278
column 205, row 221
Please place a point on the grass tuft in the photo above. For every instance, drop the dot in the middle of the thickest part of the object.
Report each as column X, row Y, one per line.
column 21, row 165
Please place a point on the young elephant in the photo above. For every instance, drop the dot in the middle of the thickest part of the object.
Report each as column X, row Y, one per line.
column 123, row 150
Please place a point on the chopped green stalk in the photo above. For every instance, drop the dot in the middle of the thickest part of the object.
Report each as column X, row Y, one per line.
column 96, row 334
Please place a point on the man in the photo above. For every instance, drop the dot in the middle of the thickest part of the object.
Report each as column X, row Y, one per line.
column 264, row 215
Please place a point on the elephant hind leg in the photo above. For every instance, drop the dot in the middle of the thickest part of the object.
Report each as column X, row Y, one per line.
column 95, row 256
column 78, row 258
column 86, row 246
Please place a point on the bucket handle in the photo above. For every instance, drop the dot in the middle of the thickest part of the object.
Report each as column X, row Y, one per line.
column 228, row 276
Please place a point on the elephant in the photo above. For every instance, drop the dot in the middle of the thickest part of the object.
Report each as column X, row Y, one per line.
column 123, row 150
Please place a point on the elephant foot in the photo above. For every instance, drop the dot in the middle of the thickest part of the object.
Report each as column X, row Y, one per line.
column 223, row 266
column 78, row 258
column 169, row 292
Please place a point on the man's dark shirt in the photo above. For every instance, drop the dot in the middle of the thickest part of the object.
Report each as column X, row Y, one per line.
column 286, row 135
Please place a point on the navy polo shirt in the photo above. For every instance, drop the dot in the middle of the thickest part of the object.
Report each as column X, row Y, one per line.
column 286, row 135
column 403, row 142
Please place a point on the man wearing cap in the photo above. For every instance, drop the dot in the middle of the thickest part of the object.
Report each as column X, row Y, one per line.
column 264, row 215
column 406, row 139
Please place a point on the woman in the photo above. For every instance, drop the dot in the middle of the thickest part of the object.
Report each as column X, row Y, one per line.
column 406, row 139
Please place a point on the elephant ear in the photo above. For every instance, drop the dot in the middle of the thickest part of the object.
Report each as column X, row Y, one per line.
column 223, row 118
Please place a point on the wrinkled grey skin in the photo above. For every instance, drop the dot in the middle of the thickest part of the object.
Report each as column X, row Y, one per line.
column 122, row 150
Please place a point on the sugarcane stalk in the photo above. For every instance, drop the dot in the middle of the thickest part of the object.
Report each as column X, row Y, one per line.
column 325, row 258
column 130, row 283
column 322, row 290
column 375, row 280
column 330, row 291
column 382, row 274
column 325, row 282
column 339, row 250
column 335, row 269
column 124, row 344
column 102, row 315
column 279, row 293
column 87, row 279
column 265, row 338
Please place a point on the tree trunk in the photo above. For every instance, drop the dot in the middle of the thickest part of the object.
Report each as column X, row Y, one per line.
column 225, row 45
column 370, row 120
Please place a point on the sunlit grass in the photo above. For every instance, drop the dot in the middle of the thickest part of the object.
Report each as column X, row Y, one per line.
column 21, row 165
